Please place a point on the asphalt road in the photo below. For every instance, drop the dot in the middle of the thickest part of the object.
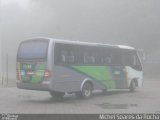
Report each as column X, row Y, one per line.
column 143, row 100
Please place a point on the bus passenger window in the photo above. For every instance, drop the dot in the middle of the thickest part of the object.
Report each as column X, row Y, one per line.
column 88, row 58
column 107, row 60
column 63, row 56
column 71, row 57
column 92, row 59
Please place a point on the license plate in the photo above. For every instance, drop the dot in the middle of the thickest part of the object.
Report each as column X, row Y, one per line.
column 30, row 73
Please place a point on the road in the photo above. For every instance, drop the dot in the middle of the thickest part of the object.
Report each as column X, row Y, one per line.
column 143, row 100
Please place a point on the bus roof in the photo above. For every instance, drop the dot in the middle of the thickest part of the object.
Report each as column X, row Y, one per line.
column 85, row 43
column 92, row 44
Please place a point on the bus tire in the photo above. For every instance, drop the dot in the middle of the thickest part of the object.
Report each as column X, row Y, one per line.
column 57, row 95
column 132, row 86
column 104, row 91
column 86, row 91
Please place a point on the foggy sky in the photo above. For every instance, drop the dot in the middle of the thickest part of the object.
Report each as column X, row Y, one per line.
column 129, row 22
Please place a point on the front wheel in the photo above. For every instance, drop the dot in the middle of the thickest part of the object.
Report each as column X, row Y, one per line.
column 132, row 86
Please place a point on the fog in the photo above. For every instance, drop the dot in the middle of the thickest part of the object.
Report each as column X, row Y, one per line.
column 129, row 22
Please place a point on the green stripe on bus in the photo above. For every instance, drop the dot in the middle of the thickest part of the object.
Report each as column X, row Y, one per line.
column 39, row 73
column 99, row 73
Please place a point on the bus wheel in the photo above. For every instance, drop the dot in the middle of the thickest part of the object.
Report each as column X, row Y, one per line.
column 104, row 91
column 86, row 91
column 57, row 95
column 132, row 86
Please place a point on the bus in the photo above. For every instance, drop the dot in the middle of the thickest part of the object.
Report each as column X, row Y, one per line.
column 63, row 66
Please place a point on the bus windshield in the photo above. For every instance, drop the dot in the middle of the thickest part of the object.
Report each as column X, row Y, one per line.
column 33, row 50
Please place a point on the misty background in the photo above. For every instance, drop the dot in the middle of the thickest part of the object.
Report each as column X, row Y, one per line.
column 129, row 22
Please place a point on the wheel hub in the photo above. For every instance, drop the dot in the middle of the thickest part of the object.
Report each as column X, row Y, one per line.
column 87, row 92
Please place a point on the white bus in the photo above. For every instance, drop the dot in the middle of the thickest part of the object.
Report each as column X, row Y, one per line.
column 62, row 66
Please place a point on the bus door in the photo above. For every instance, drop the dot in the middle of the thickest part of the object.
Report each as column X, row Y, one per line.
column 119, row 75
column 118, row 70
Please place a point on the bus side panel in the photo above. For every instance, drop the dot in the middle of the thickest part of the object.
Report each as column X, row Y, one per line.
column 99, row 74
column 65, row 80
column 70, row 78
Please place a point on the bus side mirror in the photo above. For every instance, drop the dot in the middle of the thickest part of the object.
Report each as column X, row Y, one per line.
column 141, row 54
